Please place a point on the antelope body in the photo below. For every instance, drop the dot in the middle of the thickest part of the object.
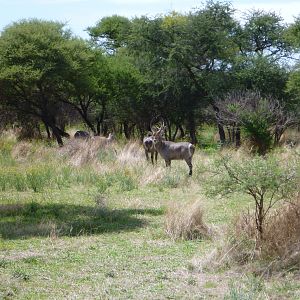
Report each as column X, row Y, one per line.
column 81, row 134
column 173, row 151
column 105, row 140
column 148, row 145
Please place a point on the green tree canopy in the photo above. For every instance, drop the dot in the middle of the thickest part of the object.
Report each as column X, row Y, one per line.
column 38, row 61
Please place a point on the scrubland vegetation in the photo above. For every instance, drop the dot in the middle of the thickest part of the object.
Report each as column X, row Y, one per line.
column 97, row 221
column 90, row 218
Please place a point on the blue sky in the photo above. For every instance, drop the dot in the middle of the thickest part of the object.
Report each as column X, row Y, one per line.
column 83, row 13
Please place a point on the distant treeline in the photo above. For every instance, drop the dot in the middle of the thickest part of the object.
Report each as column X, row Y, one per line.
column 189, row 69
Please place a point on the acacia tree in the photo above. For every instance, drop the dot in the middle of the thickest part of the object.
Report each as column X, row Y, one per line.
column 110, row 33
column 265, row 179
column 259, row 63
column 192, row 50
column 125, row 105
column 263, row 51
column 89, row 88
column 293, row 84
column 38, row 61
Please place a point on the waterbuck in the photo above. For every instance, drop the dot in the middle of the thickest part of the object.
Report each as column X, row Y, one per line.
column 171, row 150
column 105, row 140
column 148, row 145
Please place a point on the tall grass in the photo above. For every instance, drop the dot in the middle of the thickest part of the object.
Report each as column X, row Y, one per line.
column 80, row 162
column 185, row 221
column 246, row 289
column 6, row 146
column 119, row 180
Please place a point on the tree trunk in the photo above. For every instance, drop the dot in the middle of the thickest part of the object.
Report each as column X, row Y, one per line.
column 126, row 130
column 192, row 129
column 141, row 133
column 48, row 131
column 182, row 133
column 220, row 126
column 238, row 137
column 98, row 127
column 49, row 122
column 169, row 127
column 175, row 133
column 277, row 135
column 260, row 217
column 221, row 134
column 229, row 134
column 233, row 134
column 57, row 135
column 86, row 119
column 62, row 133
column 104, row 129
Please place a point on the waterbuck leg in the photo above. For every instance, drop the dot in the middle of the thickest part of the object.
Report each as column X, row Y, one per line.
column 189, row 163
column 147, row 156
column 156, row 153
column 152, row 158
column 168, row 163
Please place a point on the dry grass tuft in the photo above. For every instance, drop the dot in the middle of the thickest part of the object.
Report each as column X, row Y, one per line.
column 81, row 152
column 290, row 138
column 131, row 153
column 282, row 236
column 21, row 150
column 9, row 135
column 279, row 249
column 185, row 221
column 152, row 175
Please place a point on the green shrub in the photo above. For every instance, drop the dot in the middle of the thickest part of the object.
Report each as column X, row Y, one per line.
column 207, row 138
column 266, row 180
column 257, row 125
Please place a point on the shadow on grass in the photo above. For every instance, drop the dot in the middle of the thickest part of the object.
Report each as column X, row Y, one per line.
column 33, row 219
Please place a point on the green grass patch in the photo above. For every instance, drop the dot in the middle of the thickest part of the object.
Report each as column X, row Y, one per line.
column 97, row 230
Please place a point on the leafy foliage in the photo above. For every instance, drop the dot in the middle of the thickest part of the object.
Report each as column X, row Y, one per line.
column 266, row 180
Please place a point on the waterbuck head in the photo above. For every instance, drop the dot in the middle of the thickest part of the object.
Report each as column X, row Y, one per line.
column 158, row 133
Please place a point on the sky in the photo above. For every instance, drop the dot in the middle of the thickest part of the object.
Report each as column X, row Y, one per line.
column 79, row 14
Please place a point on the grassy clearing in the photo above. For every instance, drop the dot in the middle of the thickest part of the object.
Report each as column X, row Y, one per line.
column 88, row 221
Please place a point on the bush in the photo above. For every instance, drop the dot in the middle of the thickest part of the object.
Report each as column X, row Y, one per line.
column 185, row 222
column 282, row 236
column 257, row 124
column 262, row 119
column 281, row 243
column 266, row 180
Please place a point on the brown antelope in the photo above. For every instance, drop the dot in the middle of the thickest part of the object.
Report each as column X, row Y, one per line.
column 171, row 150
column 105, row 140
column 148, row 145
